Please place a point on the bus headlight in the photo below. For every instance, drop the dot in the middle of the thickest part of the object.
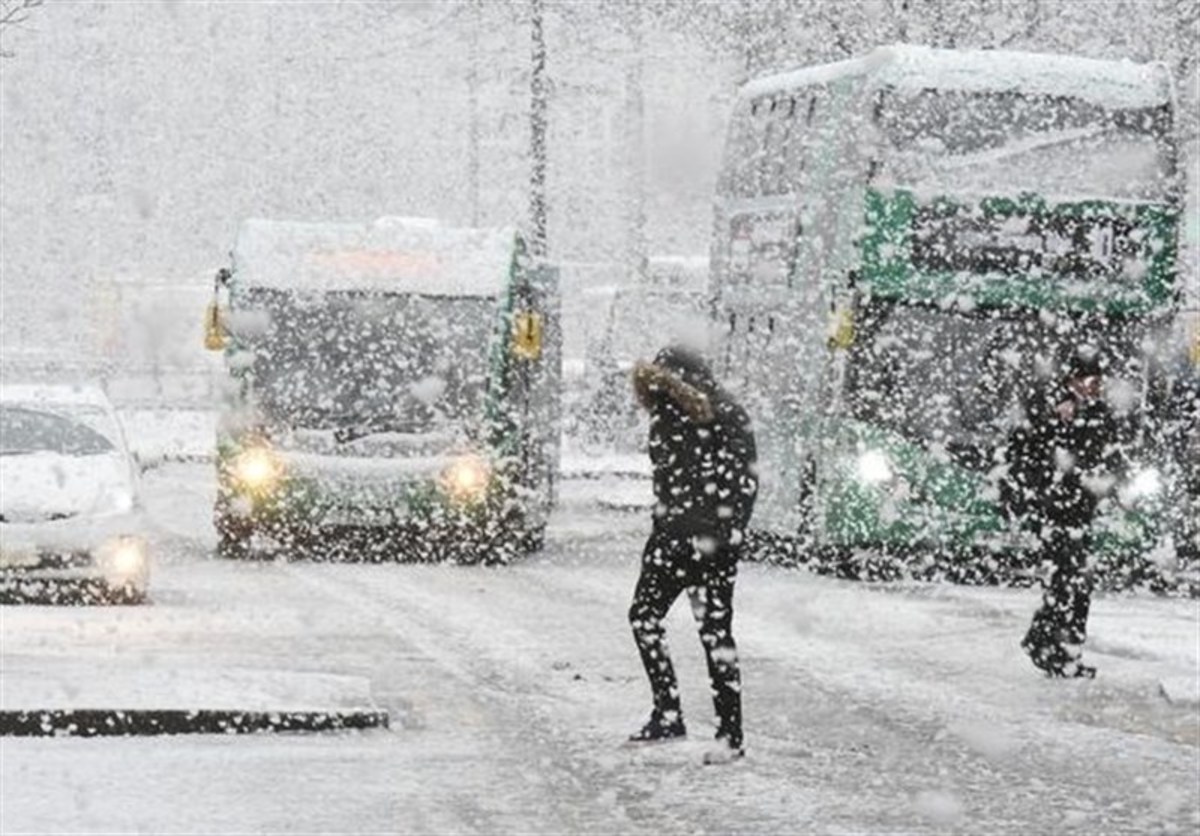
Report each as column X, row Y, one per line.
column 123, row 558
column 256, row 468
column 874, row 467
column 466, row 478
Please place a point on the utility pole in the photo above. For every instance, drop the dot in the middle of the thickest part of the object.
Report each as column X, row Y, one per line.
column 900, row 17
column 473, row 105
column 635, row 145
column 537, row 132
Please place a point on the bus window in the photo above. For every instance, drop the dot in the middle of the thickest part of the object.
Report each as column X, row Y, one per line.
column 762, row 249
column 803, row 139
column 763, row 127
column 770, row 148
column 743, row 152
column 795, row 158
column 775, row 179
column 965, row 141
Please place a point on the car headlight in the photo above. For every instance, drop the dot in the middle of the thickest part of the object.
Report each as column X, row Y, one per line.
column 874, row 467
column 1144, row 483
column 466, row 478
column 124, row 558
column 256, row 468
column 116, row 501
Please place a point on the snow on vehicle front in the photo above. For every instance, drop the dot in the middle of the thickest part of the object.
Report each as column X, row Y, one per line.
column 70, row 519
column 369, row 408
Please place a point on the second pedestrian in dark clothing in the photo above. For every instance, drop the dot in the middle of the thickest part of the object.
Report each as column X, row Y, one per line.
column 1058, row 465
column 703, row 455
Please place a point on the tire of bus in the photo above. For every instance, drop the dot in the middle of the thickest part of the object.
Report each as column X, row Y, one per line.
column 126, row 595
column 533, row 539
column 233, row 538
column 230, row 547
column 806, row 506
column 515, row 540
column 497, row 552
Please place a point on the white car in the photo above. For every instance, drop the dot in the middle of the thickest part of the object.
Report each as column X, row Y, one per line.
column 71, row 523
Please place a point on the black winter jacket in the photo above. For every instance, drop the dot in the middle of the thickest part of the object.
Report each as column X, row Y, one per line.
column 702, row 449
column 1049, row 460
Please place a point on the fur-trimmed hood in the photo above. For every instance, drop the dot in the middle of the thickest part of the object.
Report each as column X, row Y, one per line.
column 702, row 448
column 681, row 376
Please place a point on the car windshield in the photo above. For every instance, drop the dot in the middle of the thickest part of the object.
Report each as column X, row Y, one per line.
column 24, row 430
column 993, row 142
column 955, row 382
column 396, row 362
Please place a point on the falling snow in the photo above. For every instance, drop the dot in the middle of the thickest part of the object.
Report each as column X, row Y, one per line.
column 329, row 393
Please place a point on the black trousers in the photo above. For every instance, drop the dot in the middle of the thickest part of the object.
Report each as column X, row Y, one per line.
column 671, row 564
column 1059, row 627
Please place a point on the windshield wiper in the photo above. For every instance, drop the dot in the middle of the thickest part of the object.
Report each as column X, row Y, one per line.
column 15, row 452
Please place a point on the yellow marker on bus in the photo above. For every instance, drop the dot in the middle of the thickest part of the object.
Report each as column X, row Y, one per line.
column 527, row 335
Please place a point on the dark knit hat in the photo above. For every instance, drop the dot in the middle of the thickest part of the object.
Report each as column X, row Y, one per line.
column 687, row 364
column 1085, row 361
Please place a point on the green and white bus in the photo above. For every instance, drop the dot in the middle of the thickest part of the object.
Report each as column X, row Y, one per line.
column 903, row 242
column 394, row 391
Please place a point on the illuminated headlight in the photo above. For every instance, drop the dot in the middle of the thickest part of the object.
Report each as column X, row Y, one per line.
column 466, row 478
column 124, row 558
column 874, row 467
column 118, row 501
column 1145, row 483
column 256, row 468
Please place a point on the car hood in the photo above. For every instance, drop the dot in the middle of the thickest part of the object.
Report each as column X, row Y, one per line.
column 39, row 487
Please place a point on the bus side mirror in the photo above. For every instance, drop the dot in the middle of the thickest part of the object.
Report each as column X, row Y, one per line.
column 215, row 335
column 527, row 335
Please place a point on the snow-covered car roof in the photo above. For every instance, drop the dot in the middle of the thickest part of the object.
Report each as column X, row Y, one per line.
column 55, row 394
column 395, row 254
column 1113, row 83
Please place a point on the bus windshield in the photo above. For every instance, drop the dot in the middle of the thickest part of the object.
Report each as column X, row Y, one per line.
column 956, row 382
column 995, row 142
column 405, row 362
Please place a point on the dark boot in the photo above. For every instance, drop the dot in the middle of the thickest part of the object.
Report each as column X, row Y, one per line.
column 1056, row 660
column 730, row 735
column 661, row 727
column 1072, row 670
column 724, row 750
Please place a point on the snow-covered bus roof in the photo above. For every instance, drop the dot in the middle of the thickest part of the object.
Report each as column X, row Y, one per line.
column 393, row 254
column 1120, row 84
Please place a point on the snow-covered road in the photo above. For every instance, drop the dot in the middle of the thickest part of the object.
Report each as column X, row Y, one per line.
column 869, row 708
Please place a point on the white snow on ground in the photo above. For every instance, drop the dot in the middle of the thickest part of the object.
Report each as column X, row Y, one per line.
column 576, row 464
column 66, row 687
column 902, row 708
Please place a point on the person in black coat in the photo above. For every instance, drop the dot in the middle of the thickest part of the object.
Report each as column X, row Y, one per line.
column 703, row 454
column 1059, row 462
column 1181, row 438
